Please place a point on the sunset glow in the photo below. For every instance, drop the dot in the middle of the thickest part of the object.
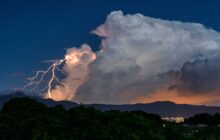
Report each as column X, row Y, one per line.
column 180, row 98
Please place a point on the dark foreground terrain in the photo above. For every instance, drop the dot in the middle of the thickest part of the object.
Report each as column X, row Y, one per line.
column 27, row 119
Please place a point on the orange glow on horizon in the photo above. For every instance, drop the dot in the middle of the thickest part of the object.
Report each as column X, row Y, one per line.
column 174, row 96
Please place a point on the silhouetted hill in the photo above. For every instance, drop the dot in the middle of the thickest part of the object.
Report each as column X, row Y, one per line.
column 163, row 108
column 49, row 102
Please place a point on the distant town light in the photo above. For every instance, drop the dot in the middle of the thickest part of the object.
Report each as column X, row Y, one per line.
column 173, row 119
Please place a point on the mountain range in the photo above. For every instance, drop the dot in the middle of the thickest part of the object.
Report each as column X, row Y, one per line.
column 162, row 108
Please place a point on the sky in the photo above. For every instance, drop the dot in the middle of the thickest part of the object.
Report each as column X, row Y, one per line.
column 34, row 31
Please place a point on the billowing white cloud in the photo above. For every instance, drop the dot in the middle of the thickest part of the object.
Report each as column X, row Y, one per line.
column 142, row 59
column 136, row 50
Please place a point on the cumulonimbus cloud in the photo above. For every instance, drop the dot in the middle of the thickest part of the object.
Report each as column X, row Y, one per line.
column 143, row 59
column 138, row 50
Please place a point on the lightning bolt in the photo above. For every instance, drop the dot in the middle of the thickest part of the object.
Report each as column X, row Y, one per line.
column 76, row 60
column 36, row 80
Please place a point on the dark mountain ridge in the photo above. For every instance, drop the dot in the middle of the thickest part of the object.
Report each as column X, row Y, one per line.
column 162, row 108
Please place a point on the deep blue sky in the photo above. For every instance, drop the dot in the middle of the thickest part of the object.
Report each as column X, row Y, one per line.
column 33, row 31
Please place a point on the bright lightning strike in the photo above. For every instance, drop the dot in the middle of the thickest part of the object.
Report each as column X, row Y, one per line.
column 36, row 80
column 74, row 66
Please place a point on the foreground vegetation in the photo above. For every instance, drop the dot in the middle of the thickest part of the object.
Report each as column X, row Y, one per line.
column 26, row 119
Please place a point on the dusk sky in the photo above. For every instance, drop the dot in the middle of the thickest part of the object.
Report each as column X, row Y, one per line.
column 32, row 32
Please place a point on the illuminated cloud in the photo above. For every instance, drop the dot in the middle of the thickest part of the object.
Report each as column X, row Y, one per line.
column 138, row 51
column 142, row 59
column 76, row 69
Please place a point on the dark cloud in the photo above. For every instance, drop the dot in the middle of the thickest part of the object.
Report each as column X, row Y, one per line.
column 198, row 77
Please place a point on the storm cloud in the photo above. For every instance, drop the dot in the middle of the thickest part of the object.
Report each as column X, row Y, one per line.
column 141, row 54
